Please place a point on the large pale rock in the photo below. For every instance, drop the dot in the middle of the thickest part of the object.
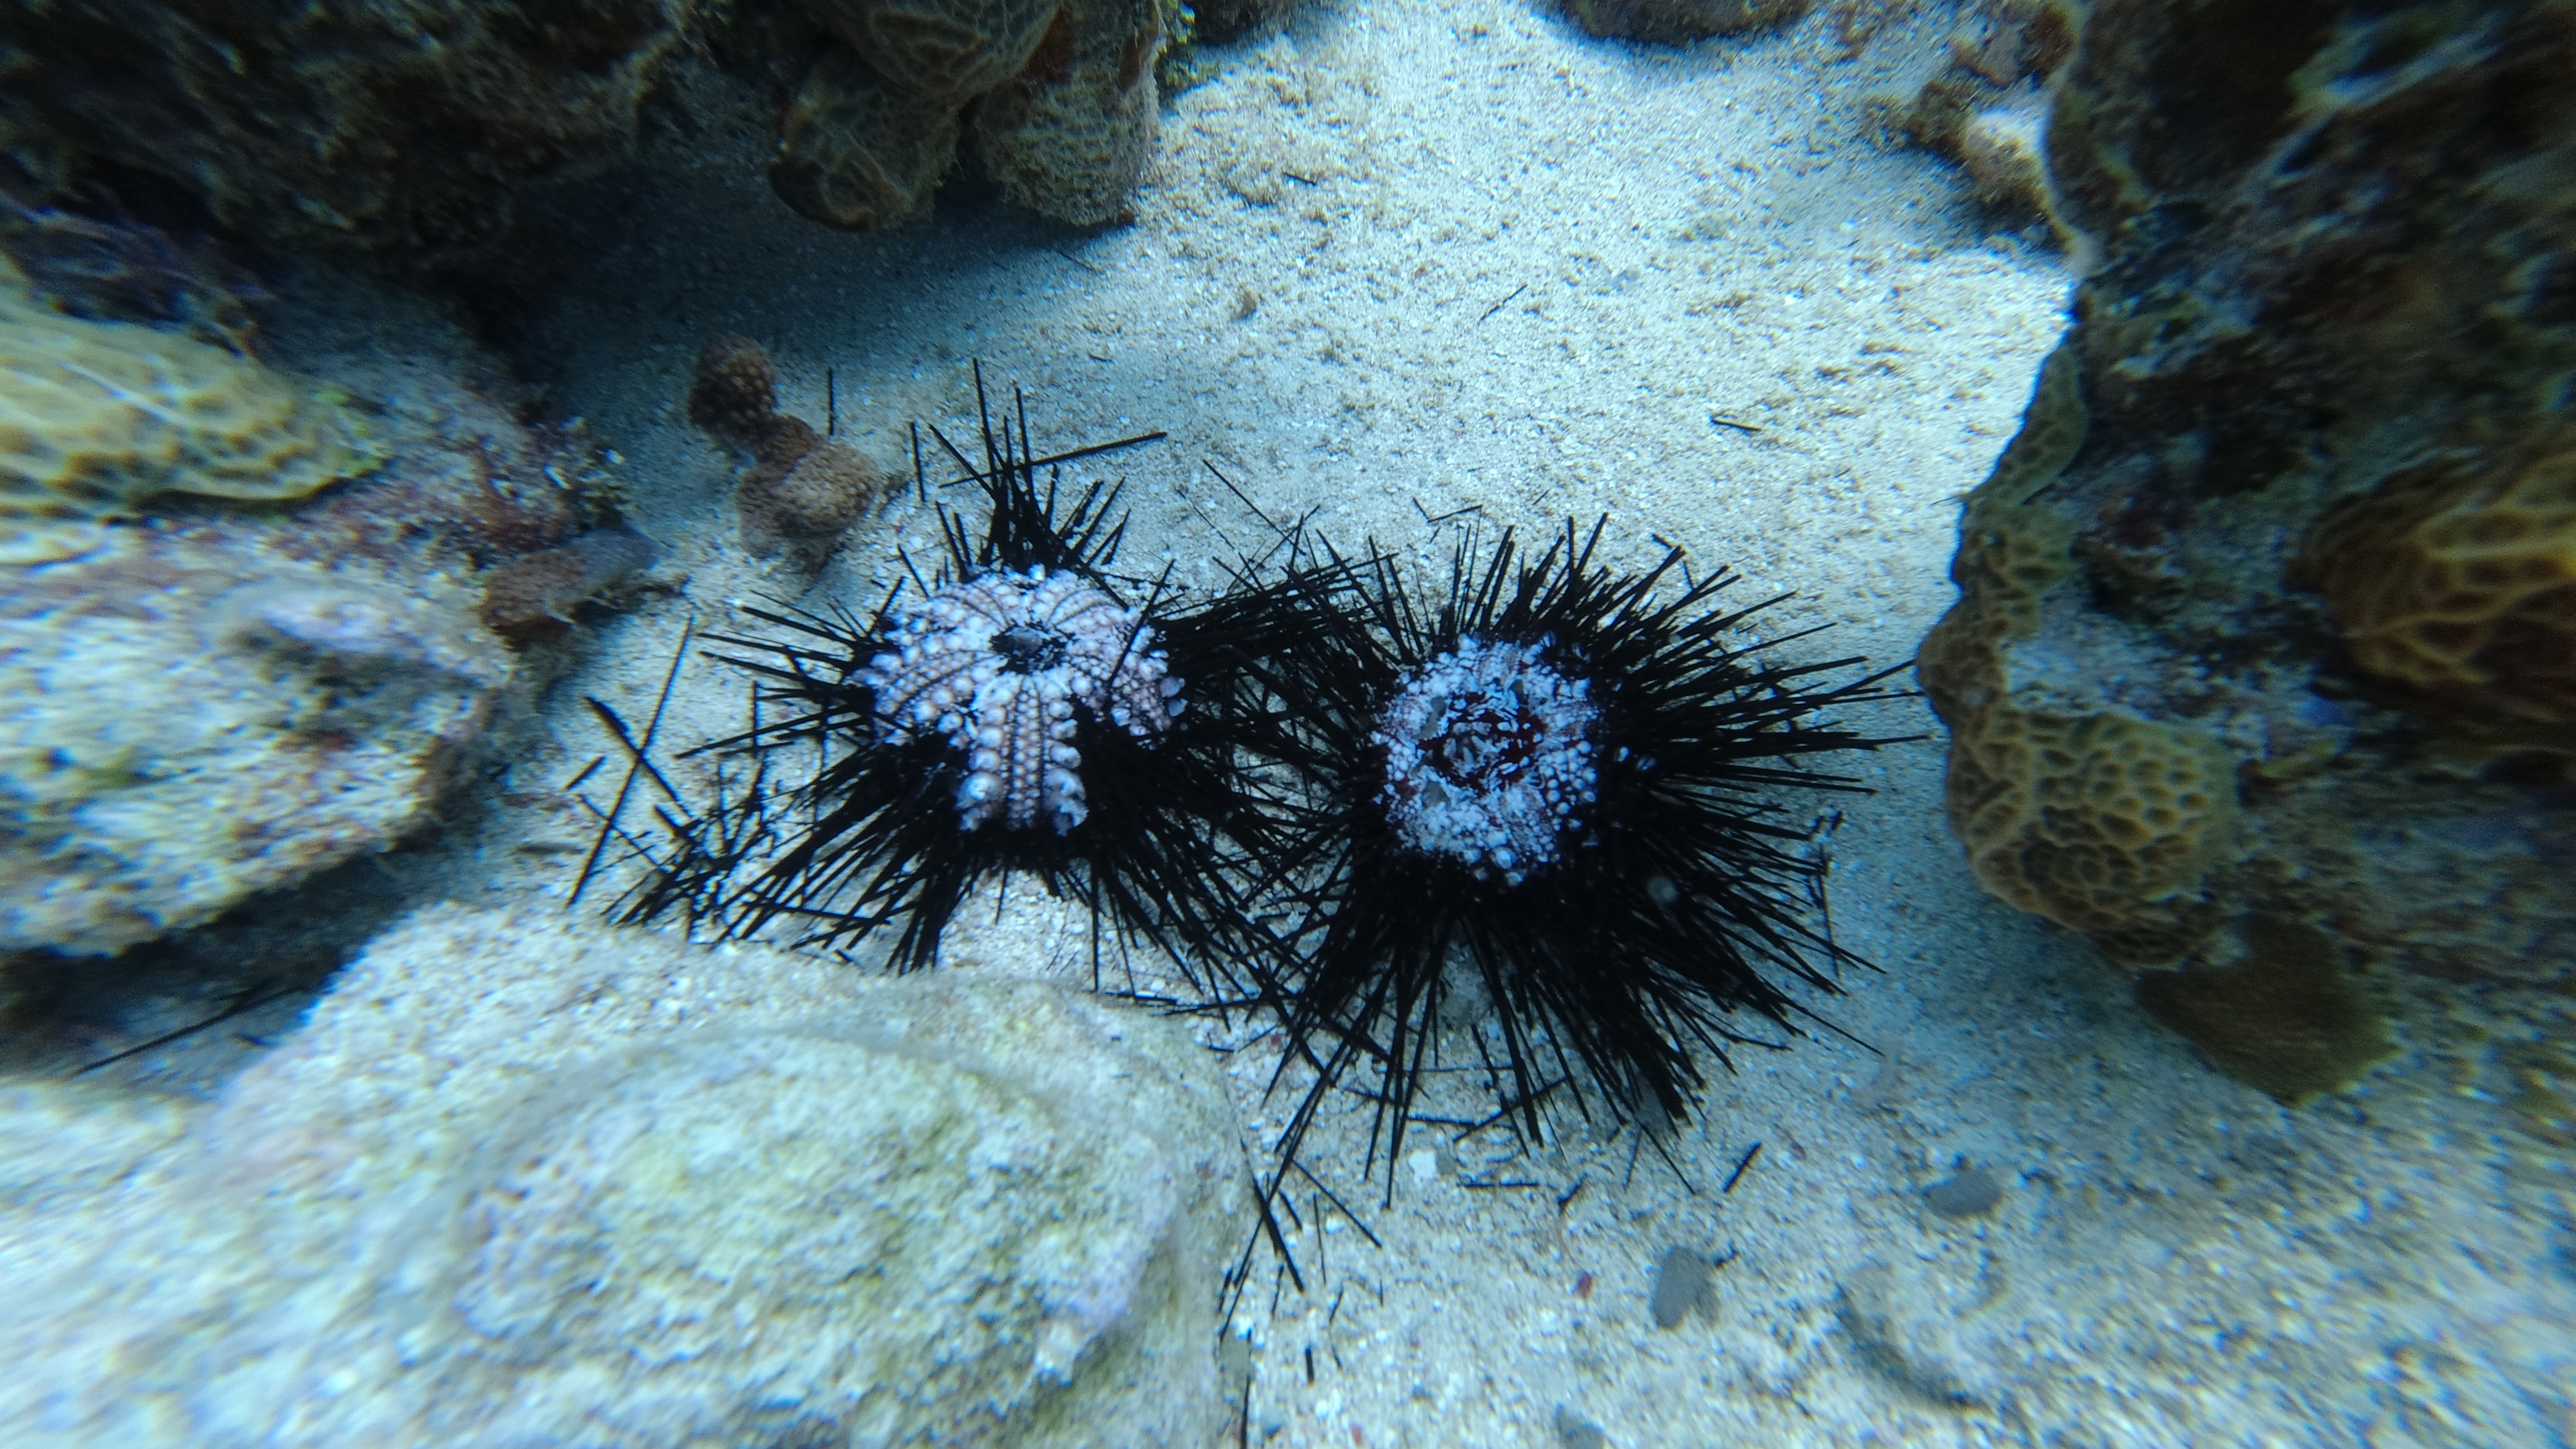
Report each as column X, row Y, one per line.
column 527, row 1181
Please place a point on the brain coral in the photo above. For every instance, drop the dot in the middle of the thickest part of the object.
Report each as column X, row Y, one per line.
column 2096, row 818
column 951, row 50
column 856, row 152
column 643, row 1194
column 95, row 417
column 2458, row 577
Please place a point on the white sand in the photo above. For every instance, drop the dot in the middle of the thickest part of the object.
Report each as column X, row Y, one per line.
column 1669, row 235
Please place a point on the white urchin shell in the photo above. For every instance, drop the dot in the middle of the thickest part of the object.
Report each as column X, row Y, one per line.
column 1488, row 757
column 999, row 665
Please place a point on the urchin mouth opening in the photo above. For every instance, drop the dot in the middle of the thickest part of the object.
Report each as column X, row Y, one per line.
column 1488, row 753
column 1027, row 649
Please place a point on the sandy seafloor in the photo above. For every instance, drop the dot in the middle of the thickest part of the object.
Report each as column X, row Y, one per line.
column 1406, row 259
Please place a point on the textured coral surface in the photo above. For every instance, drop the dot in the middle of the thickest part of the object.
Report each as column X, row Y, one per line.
column 96, row 417
column 1062, row 100
column 2458, row 577
column 638, row 1194
column 2284, row 559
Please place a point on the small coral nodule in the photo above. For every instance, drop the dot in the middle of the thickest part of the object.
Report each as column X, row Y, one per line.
column 734, row 391
column 802, row 490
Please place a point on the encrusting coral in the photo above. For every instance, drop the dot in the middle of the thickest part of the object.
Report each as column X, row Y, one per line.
column 2265, row 650
column 642, row 1194
column 96, row 417
column 801, row 491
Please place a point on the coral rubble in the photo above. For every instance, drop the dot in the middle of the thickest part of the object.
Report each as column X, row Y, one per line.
column 1987, row 107
column 2267, row 627
column 643, row 1193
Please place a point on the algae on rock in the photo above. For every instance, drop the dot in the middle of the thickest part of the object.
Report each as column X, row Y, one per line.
column 2308, row 508
column 214, row 700
column 190, row 724
column 1062, row 102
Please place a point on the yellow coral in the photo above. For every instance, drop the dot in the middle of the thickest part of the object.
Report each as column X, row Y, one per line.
column 97, row 416
column 2458, row 577
column 2102, row 821
column 2284, row 1019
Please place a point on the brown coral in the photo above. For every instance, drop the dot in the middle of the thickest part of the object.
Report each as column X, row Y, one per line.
column 2102, row 822
column 2283, row 1019
column 951, row 50
column 1069, row 136
column 734, row 391
column 804, row 493
column 95, row 417
column 802, row 490
column 1062, row 99
column 2095, row 818
column 1679, row 22
column 2457, row 578
column 2309, row 527
column 857, row 152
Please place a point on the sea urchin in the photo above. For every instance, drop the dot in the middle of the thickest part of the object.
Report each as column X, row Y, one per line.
column 1554, row 791
column 1018, row 714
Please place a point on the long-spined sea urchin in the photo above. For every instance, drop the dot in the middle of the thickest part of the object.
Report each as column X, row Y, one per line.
column 1011, row 713
column 1551, row 787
